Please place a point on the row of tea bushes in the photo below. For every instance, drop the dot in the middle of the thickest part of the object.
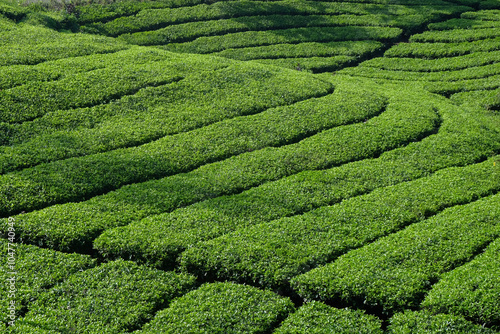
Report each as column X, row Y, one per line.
column 285, row 36
column 222, row 308
column 402, row 16
column 395, row 272
column 29, row 45
column 482, row 72
column 33, row 271
column 114, row 297
column 270, row 254
column 98, row 13
column 311, row 64
column 471, row 290
column 218, row 91
column 318, row 318
column 412, row 322
column 312, row 49
column 475, row 59
column 440, row 50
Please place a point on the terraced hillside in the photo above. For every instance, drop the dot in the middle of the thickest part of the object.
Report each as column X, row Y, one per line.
column 192, row 166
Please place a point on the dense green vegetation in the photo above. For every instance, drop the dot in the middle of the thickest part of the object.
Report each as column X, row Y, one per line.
column 318, row 318
column 288, row 166
column 222, row 308
column 112, row 298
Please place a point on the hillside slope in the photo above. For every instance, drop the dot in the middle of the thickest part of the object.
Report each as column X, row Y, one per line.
column 189, row 166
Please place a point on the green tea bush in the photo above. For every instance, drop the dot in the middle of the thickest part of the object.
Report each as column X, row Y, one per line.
column 411, row 322
column 206, row 182
column 463, row 24
column 485, row 15
column 311, row 64
column 222, row 308
column 318, row 318
column 284, row 36
column 440, row 50
column 344, row 13
column 26, row 102
column 395, row 272
column 487, row 99
column 312, row 49
column 456, row 35
column 17, row 75
column 471, row 290
column 96, row 12
column 29, row 45
column 270, row 254
column 12, row 12
column 114, row 297
column 449, row 88
column 434, row 65
column 443, row 77
column 36, row 270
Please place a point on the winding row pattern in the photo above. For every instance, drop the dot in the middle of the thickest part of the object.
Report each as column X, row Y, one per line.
column 195, row 193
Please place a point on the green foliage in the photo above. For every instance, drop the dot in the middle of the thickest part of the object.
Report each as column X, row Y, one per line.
column 278, row 51
column 111, row 298
column 434, row 65
column 411, row 322
column 448, row 88
column 6, row 24
column 12, row 11
column 342, row 13
column 99, row 86
column 485, row 15
column 170, row 155
column 31, row 45
column 487, row 99
column 318, row 318
column 471, row 290
column 455, row 36
column 17, row 75
column 394, row 272
column 439, row 50
column 484, row 73
column 294, row 35
column 463, row 24
column 35, row 270
column 96, row 12
column 273, row 126
column 270, row 254
column 311, row 64
column 222, row 308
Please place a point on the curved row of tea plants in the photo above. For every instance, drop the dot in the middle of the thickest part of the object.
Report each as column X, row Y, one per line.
column 461, row 56
column 271, row 254
column 170, row 233
column 396, row 271
column 212, row 94
column 250, row 169
column 223, row 26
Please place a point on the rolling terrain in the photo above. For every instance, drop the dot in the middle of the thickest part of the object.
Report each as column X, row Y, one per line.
column 203, row 166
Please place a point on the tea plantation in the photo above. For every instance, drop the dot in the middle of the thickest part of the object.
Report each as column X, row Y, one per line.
column 240, row 166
